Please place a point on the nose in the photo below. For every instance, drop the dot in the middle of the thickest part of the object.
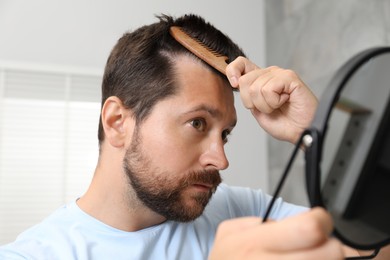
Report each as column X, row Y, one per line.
column 214, row 156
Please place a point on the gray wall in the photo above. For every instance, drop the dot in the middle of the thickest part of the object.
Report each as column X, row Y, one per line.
column 80, row 34
column 314, row 38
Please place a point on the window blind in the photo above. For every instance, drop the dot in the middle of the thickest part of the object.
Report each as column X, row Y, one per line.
column 48, row 143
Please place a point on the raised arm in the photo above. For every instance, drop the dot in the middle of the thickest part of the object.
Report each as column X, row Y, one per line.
column 279, row 100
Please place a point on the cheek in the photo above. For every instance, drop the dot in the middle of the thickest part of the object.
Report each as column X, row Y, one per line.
column 170, row 150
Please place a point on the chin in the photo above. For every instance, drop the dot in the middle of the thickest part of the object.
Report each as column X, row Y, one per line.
column 188, row 211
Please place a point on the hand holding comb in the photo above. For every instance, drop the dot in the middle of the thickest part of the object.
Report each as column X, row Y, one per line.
column 214, row 59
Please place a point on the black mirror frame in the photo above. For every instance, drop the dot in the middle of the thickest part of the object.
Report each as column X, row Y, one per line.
column 317, row 133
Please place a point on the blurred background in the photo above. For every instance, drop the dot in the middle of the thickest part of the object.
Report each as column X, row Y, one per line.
column 52, row 56
column 314, row 38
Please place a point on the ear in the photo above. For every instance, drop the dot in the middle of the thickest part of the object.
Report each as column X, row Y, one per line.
column 114, row 116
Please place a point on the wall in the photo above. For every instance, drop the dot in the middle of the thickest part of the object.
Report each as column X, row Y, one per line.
column 314, row 38
column 80, row 34
column 66, row 37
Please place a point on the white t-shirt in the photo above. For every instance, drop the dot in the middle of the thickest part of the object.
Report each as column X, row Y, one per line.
column 69, row 233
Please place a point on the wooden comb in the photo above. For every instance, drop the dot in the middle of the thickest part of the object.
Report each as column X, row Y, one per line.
column 214, row 59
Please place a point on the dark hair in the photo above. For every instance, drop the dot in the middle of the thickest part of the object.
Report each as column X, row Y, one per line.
column 139, row 70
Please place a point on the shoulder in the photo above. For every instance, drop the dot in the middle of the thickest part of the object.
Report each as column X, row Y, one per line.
column 232, row 202
column 43, row 239
column 243, row 201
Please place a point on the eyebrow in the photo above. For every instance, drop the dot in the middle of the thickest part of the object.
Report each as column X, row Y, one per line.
column 210, row 110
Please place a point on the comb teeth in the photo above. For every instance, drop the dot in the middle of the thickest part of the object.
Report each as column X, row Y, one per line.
column 209, row 49
column 199, row 49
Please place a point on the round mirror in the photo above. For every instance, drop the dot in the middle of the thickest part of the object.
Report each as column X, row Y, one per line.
column 348, row 162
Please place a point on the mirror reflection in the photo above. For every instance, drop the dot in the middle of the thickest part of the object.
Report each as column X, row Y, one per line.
column 355, row 168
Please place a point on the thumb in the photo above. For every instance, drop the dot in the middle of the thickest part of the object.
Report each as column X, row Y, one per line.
column 232, row 226
column 240, row 66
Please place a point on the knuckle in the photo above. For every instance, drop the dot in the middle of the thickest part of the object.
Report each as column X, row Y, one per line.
column 240, row 58
column 223, row 225
column 312, row 227
column 290, row 73
column 274, row 67
column 253, row 91
column 242, row 81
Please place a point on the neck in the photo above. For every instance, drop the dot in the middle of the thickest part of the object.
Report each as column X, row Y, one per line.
column 110, row 199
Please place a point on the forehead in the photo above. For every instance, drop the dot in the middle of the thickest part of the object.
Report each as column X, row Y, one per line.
column 197, row 83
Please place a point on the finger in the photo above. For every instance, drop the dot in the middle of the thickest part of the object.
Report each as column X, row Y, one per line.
column 275, row 85
column 240, row 66
column 274, row 92
column 332, row 249
column 303, row 231
column 251, row 85
column 233, row 226
column 264, row 90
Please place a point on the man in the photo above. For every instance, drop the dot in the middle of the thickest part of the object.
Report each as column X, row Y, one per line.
column 305, row 236
column 165, row 118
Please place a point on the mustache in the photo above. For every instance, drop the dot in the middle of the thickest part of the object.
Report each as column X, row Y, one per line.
column 210, row 177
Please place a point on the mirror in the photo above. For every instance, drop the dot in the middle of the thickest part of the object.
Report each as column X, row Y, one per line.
column 348, row 157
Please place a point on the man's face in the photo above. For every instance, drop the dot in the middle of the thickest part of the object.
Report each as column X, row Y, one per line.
column 174, row 158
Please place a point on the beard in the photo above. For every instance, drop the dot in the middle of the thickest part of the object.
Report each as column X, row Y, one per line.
column 163, row 192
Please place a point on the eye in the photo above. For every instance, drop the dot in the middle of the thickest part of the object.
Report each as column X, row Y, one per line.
column 225, row 135
column 199, row 124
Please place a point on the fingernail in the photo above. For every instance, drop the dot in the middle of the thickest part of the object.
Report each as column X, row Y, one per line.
column 233, row 81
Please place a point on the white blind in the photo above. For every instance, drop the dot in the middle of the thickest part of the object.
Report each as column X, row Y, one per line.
column 48, row 143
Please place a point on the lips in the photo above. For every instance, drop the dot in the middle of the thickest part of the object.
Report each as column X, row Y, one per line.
column 202, row 186
column 206, row 186
column 206, row 180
